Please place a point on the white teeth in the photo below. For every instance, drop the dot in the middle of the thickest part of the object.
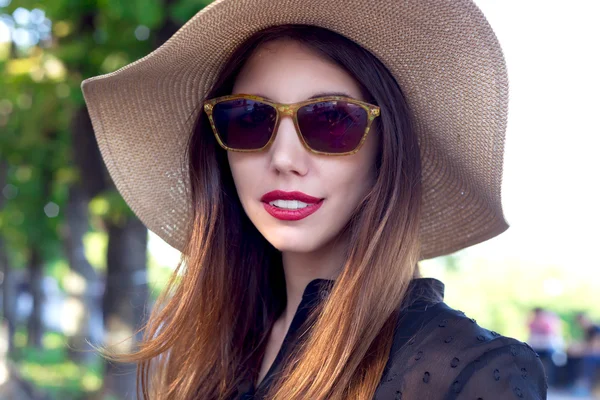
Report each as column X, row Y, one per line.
column 289, row 204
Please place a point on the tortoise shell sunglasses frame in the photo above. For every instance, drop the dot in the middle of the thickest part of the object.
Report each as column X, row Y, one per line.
column 372, row 111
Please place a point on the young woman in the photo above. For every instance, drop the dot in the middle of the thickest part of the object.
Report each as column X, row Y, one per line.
column 305, row 155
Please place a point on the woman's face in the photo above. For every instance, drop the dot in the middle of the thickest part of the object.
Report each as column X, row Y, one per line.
column 287, row 72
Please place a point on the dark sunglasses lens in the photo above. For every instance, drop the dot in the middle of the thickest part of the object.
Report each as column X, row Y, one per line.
column 244, row 124
column 332, row 126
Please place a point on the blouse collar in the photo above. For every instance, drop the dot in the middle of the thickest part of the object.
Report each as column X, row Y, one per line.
column 428, row 290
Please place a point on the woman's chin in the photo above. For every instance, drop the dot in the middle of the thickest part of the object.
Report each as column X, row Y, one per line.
column 293, row 243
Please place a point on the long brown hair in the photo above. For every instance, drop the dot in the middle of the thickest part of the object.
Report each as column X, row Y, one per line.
column 210, row 327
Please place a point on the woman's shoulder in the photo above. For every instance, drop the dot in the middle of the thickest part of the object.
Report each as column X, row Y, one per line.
column 440, row 353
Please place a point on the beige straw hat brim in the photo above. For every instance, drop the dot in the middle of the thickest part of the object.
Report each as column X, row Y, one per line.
column 443, row 54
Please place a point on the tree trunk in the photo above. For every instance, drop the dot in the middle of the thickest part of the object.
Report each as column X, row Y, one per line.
column 87, row 325
column 35, row 326
column 9, row 292
column 125, row 301
column 36, row 262
column 126, row 295
column 86, row 297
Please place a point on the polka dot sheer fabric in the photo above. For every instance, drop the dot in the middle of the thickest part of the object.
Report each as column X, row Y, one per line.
column 438, row 353
column 455, row 358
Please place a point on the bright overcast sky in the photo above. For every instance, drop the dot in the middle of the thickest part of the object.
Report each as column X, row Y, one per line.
column 550, row 190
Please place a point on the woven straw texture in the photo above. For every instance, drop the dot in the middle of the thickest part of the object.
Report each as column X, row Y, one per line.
column 443, row 54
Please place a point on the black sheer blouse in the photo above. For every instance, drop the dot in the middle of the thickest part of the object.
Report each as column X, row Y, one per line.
column 437, row 353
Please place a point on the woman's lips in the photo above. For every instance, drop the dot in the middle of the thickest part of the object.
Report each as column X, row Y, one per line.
column 283, row 195
column 292, row 215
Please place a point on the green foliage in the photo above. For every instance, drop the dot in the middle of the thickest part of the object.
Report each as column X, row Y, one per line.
column 158, row 277
column 33, row 143
column 500, row 294
column 183, row 10
column 110, row 206
column 41, row 92
column 148, row 12
column 51, row 370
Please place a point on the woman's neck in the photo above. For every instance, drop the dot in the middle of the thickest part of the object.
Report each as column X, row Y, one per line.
column 300, row 268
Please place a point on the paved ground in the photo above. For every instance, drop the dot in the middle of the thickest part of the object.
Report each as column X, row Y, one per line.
column 11, row 390
column 556, row 395
column 13, row 387
column 16, row 389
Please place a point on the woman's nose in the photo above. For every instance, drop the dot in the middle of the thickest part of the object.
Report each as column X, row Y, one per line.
column 287, row 152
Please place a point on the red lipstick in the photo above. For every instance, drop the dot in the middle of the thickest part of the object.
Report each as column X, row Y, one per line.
column 290, row 215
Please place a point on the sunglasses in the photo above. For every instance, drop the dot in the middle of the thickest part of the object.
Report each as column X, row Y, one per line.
column 332, row 125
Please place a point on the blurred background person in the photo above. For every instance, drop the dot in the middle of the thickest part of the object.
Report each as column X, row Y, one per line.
column 588, row 349
column 545, row 337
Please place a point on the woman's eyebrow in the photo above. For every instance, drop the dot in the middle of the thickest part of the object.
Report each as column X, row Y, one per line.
column 325, row 94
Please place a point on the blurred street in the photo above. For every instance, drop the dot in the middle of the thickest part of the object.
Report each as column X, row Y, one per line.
column 557, row 395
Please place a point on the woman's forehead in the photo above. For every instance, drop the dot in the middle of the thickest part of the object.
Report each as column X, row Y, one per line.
column 286, row 71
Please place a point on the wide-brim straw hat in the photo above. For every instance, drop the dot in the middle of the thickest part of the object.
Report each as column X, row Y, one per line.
column 443, row 53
